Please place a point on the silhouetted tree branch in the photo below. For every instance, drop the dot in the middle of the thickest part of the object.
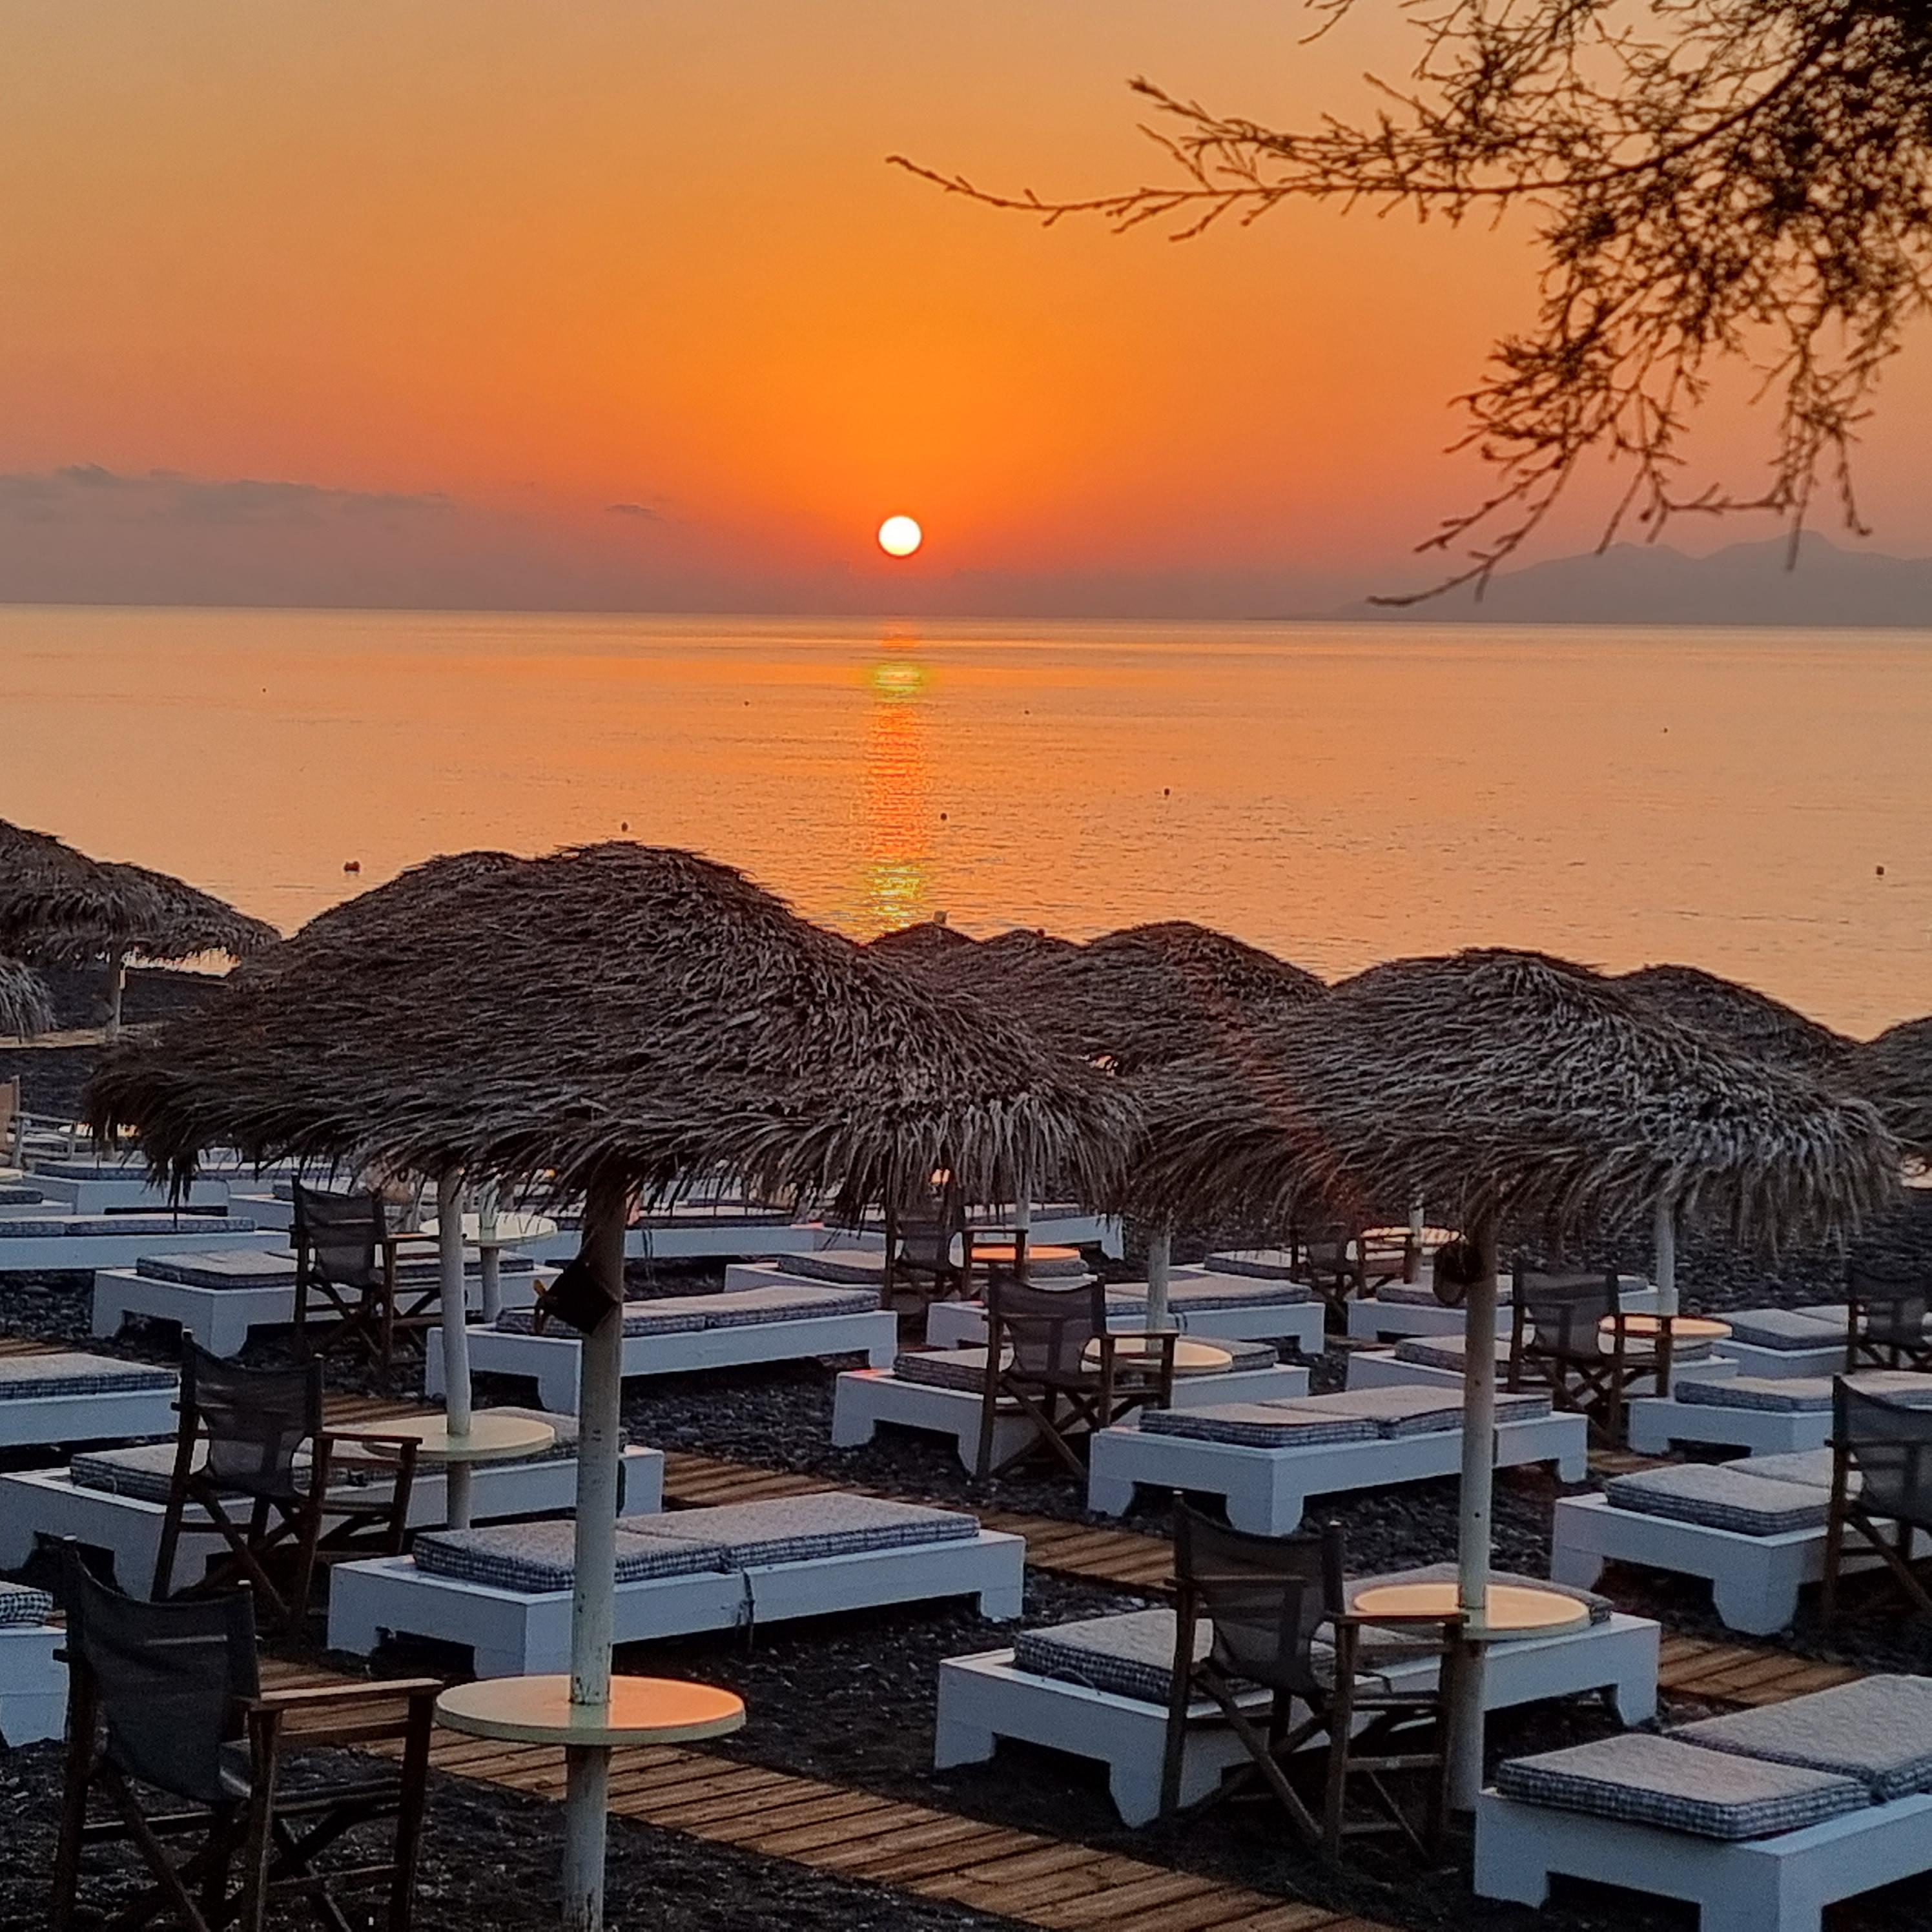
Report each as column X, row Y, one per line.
column 1715, row 180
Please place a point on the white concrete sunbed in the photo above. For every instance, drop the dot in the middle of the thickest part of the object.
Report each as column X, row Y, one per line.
column 504, row 1592
column 1098, row 1689
column 63, row 1395
column 1768, row 1341
column 33, row 1681
column 1437, row 1361
column 1266, row 1460
column 1398, row 1308
column 1760, row 1818
column 45, row 1240
column 783, row 1321
column 83, row 1186
column 938, row 1391
column 1765, row 1415
column 115, row 1501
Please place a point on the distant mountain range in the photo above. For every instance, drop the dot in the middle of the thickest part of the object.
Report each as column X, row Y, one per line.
column 1650, row 584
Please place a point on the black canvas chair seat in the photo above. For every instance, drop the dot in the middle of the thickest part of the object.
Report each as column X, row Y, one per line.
column 1881, row 1487
column 165, row 1698
column 1271, row 1601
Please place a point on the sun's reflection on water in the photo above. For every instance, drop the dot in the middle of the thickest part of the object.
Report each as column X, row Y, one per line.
column 895, row 808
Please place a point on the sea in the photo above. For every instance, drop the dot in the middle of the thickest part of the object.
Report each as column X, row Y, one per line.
column 1758, row 803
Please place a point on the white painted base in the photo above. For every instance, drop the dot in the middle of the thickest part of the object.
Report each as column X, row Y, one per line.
column 550, row 1359
column 33, row 1685
column 515, row 1635
column 1655, row 1425
column 864, row 1398
column 962, row 1324
column 79, row 1254
column 983, row 1699
column 35, row 1421
column 1760, row 1884
column 1266, row 1490
column 126, row 1190
column 1752, row 1360
column 43, row 1505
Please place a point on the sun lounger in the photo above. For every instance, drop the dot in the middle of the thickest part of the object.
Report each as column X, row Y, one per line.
column 1760, row 1819
column 1754, row 1527
column 114, row 1500
column 1398, row 1308
column 783, row 1322
column 1098, row 1688
column 96, row 1187
column 33, row 1681
column 1765, row 1414
column 1231, row 1307
column 64, row 1396
column 220, row 1297
column 1766, row 1342
column 1437, row 1361
column 940, row 1392
column 504, row 1592
column 44, row 1240
column 1266, row 1459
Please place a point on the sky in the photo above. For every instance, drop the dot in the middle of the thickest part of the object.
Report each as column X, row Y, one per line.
column 615, row 304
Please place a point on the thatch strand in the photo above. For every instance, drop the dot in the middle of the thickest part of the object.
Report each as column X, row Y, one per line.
column 59, row 907
column 25, row 1007
column 617, row 1011
column 1894, row 1072
column 1740, row 1016
column 1511, row 1085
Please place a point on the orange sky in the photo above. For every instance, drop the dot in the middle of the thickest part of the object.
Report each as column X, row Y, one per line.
column 540, row 260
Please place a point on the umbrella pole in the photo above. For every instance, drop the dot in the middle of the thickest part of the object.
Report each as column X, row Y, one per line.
column 453, row 1296
column 587, row 1769
column 1473, row 1529
column 1160, row 1259
column 1664, row 1231
column 1411, row 1253
column 117, row 984
column 489, row 1259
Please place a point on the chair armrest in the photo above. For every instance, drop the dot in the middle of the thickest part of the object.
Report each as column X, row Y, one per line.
column 395, row 1240
column 353, row 1438
column 1451, row 1624
column 316, row 1696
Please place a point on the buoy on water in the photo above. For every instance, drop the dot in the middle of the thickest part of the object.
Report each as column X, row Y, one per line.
column 352, row 865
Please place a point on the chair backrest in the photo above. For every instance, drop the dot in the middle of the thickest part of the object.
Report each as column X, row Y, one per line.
column 1048, row 1329
column 1890, row 1445
column 253, row 1420
column 340, row 1235
column 169, row 1676
column 928, row 1242
column 1266, row 1596
column 1887, row 1311
column 1560, row 1314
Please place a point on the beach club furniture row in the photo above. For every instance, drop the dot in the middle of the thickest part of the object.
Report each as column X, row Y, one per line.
column 1398, row 1308
column 504, row 1591
column 220, row 1298
column 115, row 1501
column 1099, row 1688
column 1439, row 1361
column 33, row 1680
column 62, row 1395
column 1755, row 1529
column 1265, row 1459
column 941, row 1392
column 44, row 1240
column 781, row 1322
column 1760, row 1818
column 1765, row 1415
column 100, row 1187
column 1233, row 1307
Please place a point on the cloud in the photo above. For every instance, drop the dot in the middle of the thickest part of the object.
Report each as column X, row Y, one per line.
column 633, row 510
column 89, row 491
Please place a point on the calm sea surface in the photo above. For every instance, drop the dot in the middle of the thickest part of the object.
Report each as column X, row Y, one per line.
column 1339, row 793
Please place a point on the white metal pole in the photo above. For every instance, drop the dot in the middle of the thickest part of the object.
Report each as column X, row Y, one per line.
column 600, row 1391
column 490, row 1256
column 1473, row 1528
column 1022, row 1221
column 117, row 982
column 1664, row 1231
column 1160, row 1259
column 1411, row 1258
column 455, row 1319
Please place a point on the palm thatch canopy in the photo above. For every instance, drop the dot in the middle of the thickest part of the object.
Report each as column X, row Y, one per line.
column 25, row 1008
column 615, row 1012
column 1513, row 1085
column 1740, row 1015
column 910, row 944
column 1894, row 1072
column 58, row 907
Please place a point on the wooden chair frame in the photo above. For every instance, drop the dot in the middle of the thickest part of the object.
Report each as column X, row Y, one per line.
column 1597, row 1387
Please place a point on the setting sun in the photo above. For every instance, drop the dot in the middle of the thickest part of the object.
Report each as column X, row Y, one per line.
column 900, row 536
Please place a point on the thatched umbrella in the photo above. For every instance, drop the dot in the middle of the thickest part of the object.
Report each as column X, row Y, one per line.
column 25, row 1008
column 58, row 907
column 1529, row 1090
column 1894, row 1072
column 910, row 944
column 600, row 1020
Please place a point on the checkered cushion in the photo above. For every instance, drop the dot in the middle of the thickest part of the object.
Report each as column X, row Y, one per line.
column 802, row 1529
column 1269, row 1264
column 35, row 1378
column 1446, row 1352
column 1644, row 1780
column 750, row 1307
column 942, row 1368
column 14, row 1195
column 233, row 1267
column 1809, row 1468
column 19, row 1605
column 1202, row 1294
column 1902, row 1385
column 1402, row 1409
column 860, row 1267
column 1421, row 1294
column 1783, row 1395
column 534, row 1558
column 674, row 1315
column 1131, row 1655
column 1720, row 1496
column 32, row 1224
column 1786, row 1329
column 1877, row 1730
column 145, row 1471
column 1258, row 1425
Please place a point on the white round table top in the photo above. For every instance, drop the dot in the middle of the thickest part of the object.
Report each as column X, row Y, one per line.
column 642, row 1710
column 1036, row 1251
column 1201, row 1358
column 511, row 1229
column 1507, row 1606
column 1430, row 1237
column 493, row 1437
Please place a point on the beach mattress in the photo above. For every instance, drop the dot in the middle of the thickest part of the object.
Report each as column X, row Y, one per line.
column 534, row 1558
column 801, row 1529
column 1721, row 1496
column 35, row 1378
column 24, row 1224
column 1775, row 1394
column 21, row 1604
column 1785, row 1329
column 1259, row 1425
column 1877, row 1730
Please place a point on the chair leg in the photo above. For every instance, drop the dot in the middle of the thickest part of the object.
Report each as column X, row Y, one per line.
column 409, row 1814
column 80, row 1726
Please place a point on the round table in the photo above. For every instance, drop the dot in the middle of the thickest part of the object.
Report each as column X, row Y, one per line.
column 1002, row 1254
column 1683, row 1327
column 1196, row 1357
column 538, row 1710
column 1510, row 1609
column 493, row 1437
column 1430, row 1237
